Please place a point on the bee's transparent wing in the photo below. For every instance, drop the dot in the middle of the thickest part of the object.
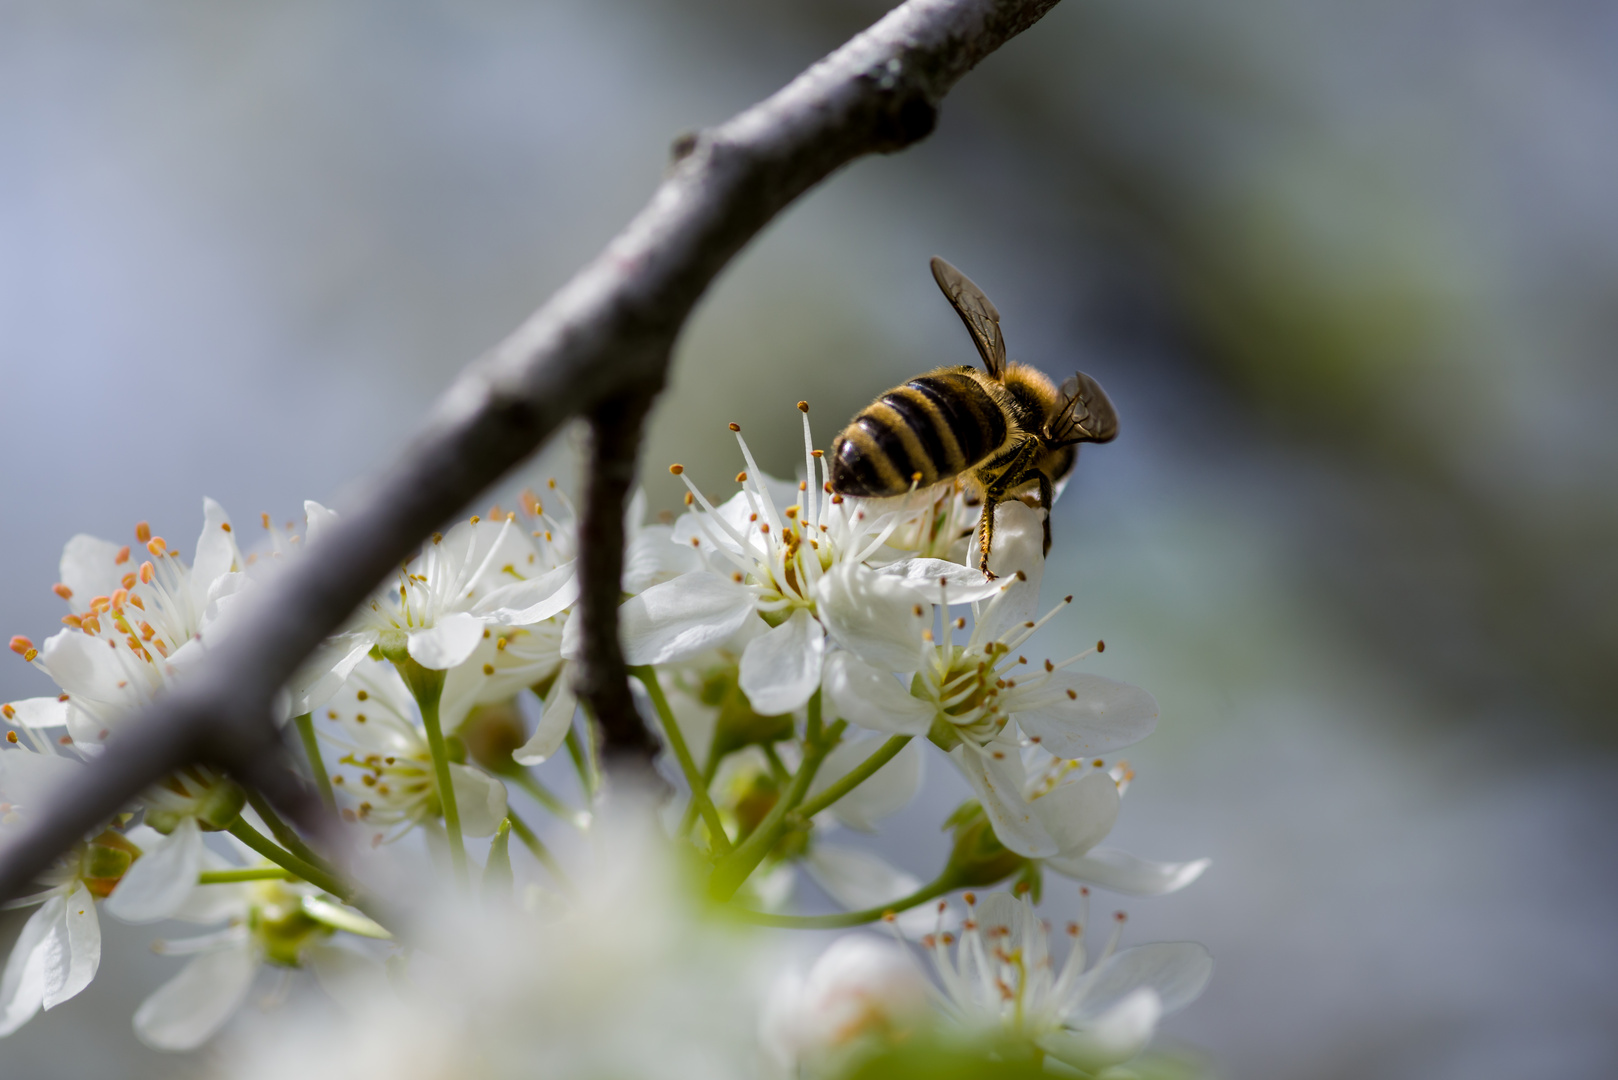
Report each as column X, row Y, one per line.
column 1085, row 413
column 977, row 312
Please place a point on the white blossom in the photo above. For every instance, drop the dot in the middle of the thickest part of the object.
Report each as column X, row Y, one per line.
column 385, row 767
column 1003, row 981
column 785, row 568
column 860, row 990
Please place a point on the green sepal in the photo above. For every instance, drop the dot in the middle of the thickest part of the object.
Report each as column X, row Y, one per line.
column 499, row 883
column 978, row 858
column 220, row 806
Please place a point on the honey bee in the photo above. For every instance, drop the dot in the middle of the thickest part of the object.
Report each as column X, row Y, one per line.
column 1007, row 428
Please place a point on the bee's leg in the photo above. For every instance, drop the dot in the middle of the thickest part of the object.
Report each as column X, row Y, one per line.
column 991, row 498
column 1047, row 499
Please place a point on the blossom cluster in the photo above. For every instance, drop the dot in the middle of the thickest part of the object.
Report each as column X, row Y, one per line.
column 800, row 655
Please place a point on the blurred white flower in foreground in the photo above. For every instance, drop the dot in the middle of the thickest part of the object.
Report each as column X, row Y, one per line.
column 1003, row 981
column 862, row 990
column 624, row 979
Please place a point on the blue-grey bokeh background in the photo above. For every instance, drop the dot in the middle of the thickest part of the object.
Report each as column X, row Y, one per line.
column 1348, row 271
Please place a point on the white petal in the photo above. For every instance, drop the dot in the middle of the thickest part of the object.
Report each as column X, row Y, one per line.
column 1100, row 716
column 535, row 600
column 1177, row 971
column 75, row 948
column 480, row 798
column 780, row 670
column 681, row 618
column 998, row 783
column 186, row 1011
column 1079, row 814
column 27, row 778
column 873, row 615
column 317, row 521
column 857, row 879
column 89, row 568
column 83, row 666
column 37, row 712
column 861, row 694
column 22, row 987
column 1122, row 872
column 216, row 552
column 1112, row 1037
column 1019, row 542
column 355, row 981
column 162, row 879
column 554, row 723
column 448, row 642
column 885, row 792
column 961, row 584
column 652, row 557
column 324, row 673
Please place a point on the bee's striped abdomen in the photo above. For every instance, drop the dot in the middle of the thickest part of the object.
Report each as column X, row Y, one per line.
column 936, row 425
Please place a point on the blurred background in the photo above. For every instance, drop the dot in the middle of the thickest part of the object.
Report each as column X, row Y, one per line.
column 1350, row 273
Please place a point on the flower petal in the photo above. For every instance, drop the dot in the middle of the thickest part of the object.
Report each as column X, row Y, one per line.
column 89, row 568
column 535, row 600
column 935, row 581
column 554, row 723
column 22, row 986
column 681, row 618
column 480, row 798
column 317, row 521
column 28, row 778
column 1112, row 1037
column 861, row 694
column 1177, row 971
column 1019, row 544
column 161, row 880
column 857, row 879
column 873, row 615
column 216, row 552
column 780, row 670
column 1078, row 814
column 652, row 557
column 186, row 1011
column 448, row 642
column 998, row 783
column 1076, row 715
column 76, row 948
column 1122, row 872
column 324, row 673
column 883, row 793
column 83, row 666
column 37, row 712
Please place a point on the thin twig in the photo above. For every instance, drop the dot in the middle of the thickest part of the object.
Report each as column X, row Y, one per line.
column 603, row 679
column 610, row 329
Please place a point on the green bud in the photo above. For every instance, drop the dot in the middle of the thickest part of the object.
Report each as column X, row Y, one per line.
column 738, row 725
column 489, row 735
column 219, row 808
column 978, row 858
column 281, row 926
column 164, row 821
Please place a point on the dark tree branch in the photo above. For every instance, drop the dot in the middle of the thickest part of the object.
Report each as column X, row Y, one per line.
column 603, row 682
column 610, row 328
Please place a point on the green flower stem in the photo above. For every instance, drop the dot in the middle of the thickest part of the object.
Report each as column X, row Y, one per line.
column 547, row 798
column 498, row 882
column 778, row 768
column 256, row 873
column 262, row 844
column 856, row 776
column 682, row 753
column 536, row 847
column 581, row 748
column 738, row 866
column 427, row 696
column 846, row 918
column 710, row 769
column 283, row 832
column 311, row 749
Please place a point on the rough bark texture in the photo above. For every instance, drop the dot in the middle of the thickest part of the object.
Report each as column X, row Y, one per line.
column 611, row 328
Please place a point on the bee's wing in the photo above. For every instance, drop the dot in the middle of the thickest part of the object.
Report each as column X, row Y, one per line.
column 1085, row 413
column 977, row 312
